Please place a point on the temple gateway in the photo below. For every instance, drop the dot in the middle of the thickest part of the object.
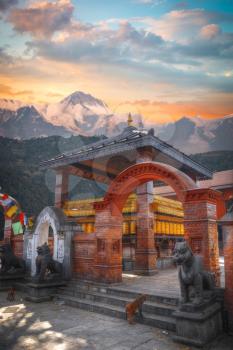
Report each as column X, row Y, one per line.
column 130, row 227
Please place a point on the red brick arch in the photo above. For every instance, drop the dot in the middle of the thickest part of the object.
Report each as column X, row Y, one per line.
column 199, row 221
column 138, row 174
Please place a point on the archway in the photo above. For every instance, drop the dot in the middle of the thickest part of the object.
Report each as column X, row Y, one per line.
column 108, row 267
column 138, row 174
column 48, row 224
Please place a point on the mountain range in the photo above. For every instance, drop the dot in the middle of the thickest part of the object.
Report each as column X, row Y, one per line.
column 83, row 114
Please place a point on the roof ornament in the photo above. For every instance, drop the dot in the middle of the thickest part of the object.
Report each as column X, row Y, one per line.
column 130, row 120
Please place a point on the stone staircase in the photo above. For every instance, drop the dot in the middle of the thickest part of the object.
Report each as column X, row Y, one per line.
column 111, row 301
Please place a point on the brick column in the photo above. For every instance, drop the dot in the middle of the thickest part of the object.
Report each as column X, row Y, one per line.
column 7, row 230
column 108, row 259
column 61, row 187
column 201, row 227
column 227, row 226
column 145, row 252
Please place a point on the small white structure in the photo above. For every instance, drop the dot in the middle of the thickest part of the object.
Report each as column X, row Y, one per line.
column 49, row 217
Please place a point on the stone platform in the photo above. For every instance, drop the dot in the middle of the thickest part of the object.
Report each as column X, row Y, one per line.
column 162, row 292
column 40, row 292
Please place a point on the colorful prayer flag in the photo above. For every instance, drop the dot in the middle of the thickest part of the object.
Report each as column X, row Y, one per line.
column 11, row 211
column 17, row 228
column 21, row 217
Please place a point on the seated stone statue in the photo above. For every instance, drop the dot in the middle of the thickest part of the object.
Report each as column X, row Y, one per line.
column 9, row 262
column 194, row 281
column 47, row 268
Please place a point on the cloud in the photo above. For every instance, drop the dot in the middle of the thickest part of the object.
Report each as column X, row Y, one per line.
column 136, row 51
column 43, row 18
column 5, row 58
column 96, row 43
column 8, row 91
column 210, row 31
column 6, row 4
column 150, row 2
column 211, row 106
column 182, row 26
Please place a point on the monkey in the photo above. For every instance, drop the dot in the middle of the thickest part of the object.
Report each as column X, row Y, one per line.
column 11, row 294
column 131, row 308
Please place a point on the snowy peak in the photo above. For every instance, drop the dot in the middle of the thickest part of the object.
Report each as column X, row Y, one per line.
column 79, row 97
column 83, row 114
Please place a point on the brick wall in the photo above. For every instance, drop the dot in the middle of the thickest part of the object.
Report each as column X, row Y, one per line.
column 201, row 227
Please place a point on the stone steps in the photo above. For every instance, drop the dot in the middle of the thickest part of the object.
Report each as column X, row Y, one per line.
column 164, row 322
column 162, row 296
column 107, row 298
column 111, row 301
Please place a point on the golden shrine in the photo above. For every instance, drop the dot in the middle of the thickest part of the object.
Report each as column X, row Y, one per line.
column 168, row 222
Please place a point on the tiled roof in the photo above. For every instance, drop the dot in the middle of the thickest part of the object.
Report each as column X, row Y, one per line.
column 130, row 139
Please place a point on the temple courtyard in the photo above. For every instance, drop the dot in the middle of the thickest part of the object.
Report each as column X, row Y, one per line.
column 54, row 325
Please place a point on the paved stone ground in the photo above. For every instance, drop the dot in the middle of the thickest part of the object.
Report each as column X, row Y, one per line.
column 166, row 281
column 28, row 326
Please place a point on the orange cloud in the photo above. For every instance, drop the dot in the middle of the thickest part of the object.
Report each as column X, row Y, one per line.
column 214, row 106
column 42, row 18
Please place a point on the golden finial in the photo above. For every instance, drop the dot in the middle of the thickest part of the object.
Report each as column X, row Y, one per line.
column 130, row 120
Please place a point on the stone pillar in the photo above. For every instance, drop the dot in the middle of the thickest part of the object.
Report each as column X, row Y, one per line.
column 201, row 227
column 145, row 253
column 227, row 226
column 27, row 249
column 61, row 187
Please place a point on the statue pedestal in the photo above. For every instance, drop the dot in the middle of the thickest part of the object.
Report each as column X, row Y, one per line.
column 9, row 280
column 198, row 325
column 39, row 292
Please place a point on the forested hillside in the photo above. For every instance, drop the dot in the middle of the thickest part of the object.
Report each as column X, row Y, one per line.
column 23, row 179
column 33, row 187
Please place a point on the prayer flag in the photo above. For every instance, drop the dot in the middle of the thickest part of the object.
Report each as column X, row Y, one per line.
column 17, row 228
column 11, row 211
column 21, row 217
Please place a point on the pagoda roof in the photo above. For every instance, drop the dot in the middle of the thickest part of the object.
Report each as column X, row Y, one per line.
column 130, row 140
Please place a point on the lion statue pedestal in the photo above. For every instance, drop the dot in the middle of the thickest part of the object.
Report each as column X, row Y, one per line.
column 12, row 268
column 48, row 277
column 198, row 318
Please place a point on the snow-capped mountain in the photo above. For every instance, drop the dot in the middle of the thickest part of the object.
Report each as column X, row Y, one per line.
column 83, row 114
column 79, row 112
column 196, row 135
column 26, row 122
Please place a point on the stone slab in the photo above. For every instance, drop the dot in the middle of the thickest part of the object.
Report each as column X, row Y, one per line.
column 40, row 292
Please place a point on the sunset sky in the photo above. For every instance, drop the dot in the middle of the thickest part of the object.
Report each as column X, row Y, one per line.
column 161, row 58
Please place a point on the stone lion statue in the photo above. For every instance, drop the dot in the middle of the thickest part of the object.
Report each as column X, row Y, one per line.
column 194, row 281
column 47, row 268
column 9, row 262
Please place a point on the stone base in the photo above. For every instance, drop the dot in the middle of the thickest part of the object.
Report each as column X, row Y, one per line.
column 8, row 281
column 199, row 325
column 127, row 265
column 164, row 263
column 39, row 292
column 145, row 272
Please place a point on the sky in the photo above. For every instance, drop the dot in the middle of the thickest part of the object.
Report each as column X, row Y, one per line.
column 163, row 59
